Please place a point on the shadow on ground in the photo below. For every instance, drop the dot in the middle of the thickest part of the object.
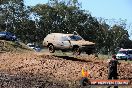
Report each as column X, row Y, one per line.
column 71, row 58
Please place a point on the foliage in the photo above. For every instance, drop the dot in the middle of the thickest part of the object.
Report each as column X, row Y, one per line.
column 15, row 18
column 32, row 24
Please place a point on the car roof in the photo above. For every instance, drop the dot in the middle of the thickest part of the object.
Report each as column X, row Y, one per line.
column 58, row 33
column 4, row 32
column 30, row 44
column 62, row 34
column 125, row 49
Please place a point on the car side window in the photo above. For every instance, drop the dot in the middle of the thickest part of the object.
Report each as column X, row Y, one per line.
column 65, row 38
column 8, row 33
column 130, row 52
column 75, row 37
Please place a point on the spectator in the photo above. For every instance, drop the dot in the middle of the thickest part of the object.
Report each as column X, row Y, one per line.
column 113, row 69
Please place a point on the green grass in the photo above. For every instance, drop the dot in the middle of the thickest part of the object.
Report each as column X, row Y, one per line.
column 101, row 56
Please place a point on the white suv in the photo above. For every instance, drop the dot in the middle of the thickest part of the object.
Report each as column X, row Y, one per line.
column 65, row 42
column 124, row 54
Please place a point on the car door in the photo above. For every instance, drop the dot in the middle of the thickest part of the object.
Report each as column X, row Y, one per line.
column 57, row 42
column 62, row 42
column 66, row 42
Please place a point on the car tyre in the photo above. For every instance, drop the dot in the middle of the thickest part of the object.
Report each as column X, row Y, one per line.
column 89, row 52
column 76, row 51
column 51, row 48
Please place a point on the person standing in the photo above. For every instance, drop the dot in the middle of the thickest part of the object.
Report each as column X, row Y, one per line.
column 113, row 69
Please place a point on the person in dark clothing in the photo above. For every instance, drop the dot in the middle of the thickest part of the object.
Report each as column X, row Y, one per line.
column 113, row 69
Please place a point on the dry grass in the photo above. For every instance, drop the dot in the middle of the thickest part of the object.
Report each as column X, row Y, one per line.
column 11, row 46
column 65, row 69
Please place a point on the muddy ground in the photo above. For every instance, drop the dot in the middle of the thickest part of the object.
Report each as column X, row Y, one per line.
column 41, row 70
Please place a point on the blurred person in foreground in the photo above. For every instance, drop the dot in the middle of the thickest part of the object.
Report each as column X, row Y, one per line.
column 113, row 69
column 86, row 74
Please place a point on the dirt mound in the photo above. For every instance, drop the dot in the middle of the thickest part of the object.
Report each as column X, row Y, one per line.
column 12, row 46
column 62, row 69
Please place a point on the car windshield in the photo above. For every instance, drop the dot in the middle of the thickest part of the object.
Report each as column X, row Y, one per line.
column 2, row 33
column 122, row 52
column 31, row 45
column 9, row 33
column 37, row 47
column 75, row 37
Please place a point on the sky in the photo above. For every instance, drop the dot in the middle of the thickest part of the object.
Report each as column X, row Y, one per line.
column 108, row 9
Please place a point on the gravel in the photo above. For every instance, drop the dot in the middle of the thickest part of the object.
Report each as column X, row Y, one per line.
column 35, row 70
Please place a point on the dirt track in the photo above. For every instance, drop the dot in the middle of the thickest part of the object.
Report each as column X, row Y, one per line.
column 33, row 70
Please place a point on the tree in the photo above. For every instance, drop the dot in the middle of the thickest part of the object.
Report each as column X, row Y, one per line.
column 118, row 35
column 102, row 39
column 110, row 38
column 15, row 18
column 59, row 16
column 64, row 16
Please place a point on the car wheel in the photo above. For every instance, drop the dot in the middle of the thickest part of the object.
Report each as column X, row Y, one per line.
column 51, row 48
column 129, row 58
column 2, row 38
column 89, row 52
column 76, row 51
column 125, row 59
